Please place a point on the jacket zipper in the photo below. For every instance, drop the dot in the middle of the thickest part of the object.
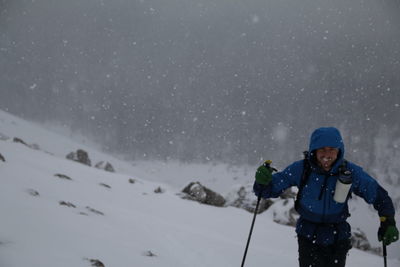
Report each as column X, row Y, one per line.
column 322, row 192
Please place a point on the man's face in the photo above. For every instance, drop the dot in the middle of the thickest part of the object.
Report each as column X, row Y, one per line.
column 326, row 156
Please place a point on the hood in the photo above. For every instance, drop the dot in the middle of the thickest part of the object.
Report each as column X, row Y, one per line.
column 327, row 136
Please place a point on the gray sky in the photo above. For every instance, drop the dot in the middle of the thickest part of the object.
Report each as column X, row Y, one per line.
column 205, row 80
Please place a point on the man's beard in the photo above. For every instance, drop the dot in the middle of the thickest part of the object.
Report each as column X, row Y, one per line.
column 326, row 162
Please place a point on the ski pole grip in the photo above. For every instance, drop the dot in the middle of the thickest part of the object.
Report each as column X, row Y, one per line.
column 268, row 163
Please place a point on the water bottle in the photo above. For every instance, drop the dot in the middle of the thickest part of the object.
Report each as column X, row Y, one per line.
column 343, row 185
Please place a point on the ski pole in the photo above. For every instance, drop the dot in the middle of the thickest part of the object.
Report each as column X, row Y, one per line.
column 251, row 231
column 384, row 254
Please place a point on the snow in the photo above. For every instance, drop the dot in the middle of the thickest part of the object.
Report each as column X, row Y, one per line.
column 137, row 222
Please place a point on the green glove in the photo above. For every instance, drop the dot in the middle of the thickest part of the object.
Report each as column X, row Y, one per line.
column 264, row 173
column 388, row 232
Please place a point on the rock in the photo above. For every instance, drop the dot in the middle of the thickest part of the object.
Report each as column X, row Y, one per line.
column 359, row 240
column 2, row 158
column 244, row 198
column 289, row 193
column 94, row 211
column 34, row 146
column 96, row 262
column 159, row 190
column 149, row 253
column 105, row 185
column 62, row 176
column 33, row 192
column 282, row 208
column 80, row 156
column 19, row 140
column 132, row 181
column 105, row 166
column 284, row 213
column 68, row 204
column 198, row 192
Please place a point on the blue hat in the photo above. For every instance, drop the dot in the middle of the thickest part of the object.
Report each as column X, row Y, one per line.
column 327, row 137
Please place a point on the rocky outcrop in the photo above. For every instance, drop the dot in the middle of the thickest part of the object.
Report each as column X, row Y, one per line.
column 244, row 198
column 105, row 166
column 283, row 212
column 197, row 192
column 159, row 190
column 80, row 156
column 33, row 192
column 20, row 141
column 105, row 185
column 95, row 262
column 149, row 253
column 359, row 240
column 2, row 158
column 92, row 210
column 66, row 203
column 62, row 176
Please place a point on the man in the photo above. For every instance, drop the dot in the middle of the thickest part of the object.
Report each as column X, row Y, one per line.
column 322, row 231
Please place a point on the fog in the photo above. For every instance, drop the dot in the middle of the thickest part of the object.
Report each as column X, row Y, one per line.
column 227, row 80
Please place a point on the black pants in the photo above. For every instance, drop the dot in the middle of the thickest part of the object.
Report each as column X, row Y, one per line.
column 313, row 255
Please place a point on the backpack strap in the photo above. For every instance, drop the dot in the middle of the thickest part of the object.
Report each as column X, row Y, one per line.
column 304, row 178
column 343, row 166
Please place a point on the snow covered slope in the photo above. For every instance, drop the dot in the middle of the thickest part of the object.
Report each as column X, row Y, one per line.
column 49, row 220
column 174, row 173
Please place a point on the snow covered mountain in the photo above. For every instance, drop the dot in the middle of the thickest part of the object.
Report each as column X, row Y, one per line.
column 57, row 212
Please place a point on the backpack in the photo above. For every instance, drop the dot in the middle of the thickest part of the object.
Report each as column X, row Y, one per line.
column 306, row 174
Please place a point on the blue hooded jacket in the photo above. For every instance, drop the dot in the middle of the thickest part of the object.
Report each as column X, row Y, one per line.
column 322, row 219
